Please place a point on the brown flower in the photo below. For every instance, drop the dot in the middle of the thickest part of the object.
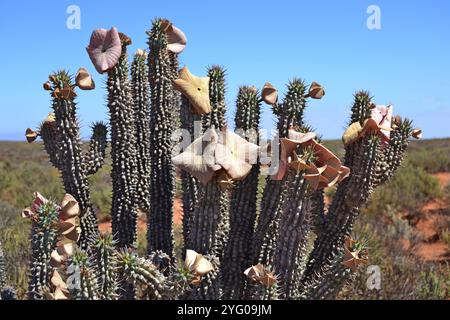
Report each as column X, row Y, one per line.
column 417, row 133
column 260, row 274
column 269, row 94
column 47, row 86
column 316, row 91
column 84, row 80
column 124, row 39
column 326, row 169
column 66, row 93
column 31, row 135
column 353, row 258
column 288, row 147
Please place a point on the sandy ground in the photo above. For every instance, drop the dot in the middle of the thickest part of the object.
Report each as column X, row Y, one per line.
column 142, row 219
column 431, row 248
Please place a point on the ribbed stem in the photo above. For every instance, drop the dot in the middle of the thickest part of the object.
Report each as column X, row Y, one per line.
column 95, row 157
column 164, row 117
column 289, row 114
column 70, row 157
column 351, row 194
column 123, row 154
column 189, row 183
column 43, row 240
column 141, row 108
column 292, row 235
column 238, row 250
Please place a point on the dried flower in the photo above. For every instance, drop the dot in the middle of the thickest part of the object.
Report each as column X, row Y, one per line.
column 260, row 274
column 417, row 133
column 353, row 257
column 31, row 135
column 316, row 91
column 269, row 94
column 84, row 80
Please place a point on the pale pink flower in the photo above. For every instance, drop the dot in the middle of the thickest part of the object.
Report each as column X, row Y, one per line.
column 104, row 49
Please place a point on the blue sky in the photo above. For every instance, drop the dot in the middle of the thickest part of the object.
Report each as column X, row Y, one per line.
column 406, row 63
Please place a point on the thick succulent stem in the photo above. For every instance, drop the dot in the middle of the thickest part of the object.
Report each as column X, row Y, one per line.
column 290, row 114
column 238, row 250
column 49, row 136
column 86, row 287
column 141, row 100
column 69, row 148
column 106, row 264
column 209, row 222
column 163, row 120
column 351, row 194
column 189, row 183
column 141, row 272
column 318, row 219
column 95, row 158
column 331, row 283
column 44, row 235
column 292, row 234
column 123, row 154
column 203, row 237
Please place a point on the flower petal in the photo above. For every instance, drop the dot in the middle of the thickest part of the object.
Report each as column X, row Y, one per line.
column 105, row 49
column 269, row 94
column 198, row 158
column 84, row 80
column 316, row 91
column 176, row 39
column 195, row 89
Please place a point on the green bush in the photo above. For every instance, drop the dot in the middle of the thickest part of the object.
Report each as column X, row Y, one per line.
column 14, row 235
column 410, row 187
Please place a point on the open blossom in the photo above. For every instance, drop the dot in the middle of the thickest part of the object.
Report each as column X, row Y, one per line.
column 326, row 169
column 104, row 49
column 353, row 257
column 197, row 265
column 260, row 274
column 224, row 156
column 380, row 122
column 176, row 39
column 195, row 89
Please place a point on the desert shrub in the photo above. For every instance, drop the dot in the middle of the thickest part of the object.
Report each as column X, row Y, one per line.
column 431, row 155
column 14, row 235
column 21, row 180
column 403, row 275
column 409, row 188
column 434, row 284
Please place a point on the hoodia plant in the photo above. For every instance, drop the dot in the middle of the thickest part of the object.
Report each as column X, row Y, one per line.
column 251, row 229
